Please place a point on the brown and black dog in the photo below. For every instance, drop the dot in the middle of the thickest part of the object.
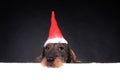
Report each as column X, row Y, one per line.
column 56, row 50
column 55, row 54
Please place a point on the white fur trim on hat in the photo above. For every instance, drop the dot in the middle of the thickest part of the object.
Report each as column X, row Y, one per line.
column 55, row 40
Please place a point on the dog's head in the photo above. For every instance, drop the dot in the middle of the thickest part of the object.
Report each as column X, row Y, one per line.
column 56, row 50
column 55, row 54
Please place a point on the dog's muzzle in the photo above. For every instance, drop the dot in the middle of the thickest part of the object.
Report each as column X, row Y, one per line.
column 50, row 61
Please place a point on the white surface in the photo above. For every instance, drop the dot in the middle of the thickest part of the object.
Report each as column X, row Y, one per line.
column 35, row 71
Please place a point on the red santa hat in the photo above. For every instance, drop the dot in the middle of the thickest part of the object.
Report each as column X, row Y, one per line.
column 55, row 35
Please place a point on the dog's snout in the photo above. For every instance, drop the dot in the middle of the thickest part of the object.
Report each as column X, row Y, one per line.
column 50, row 59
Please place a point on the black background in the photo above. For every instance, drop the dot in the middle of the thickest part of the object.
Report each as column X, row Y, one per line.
column 91, row 28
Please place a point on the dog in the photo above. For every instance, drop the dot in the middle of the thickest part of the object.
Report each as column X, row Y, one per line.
column 55, row 54
column 56, row 50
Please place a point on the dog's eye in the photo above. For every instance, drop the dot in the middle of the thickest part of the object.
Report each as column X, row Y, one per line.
column 61, row 48
column 47, row 48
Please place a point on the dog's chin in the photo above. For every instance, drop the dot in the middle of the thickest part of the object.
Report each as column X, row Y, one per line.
column 56, row 63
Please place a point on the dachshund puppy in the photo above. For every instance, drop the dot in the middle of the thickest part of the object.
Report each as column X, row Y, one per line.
column 55, row 54
column 56, row 50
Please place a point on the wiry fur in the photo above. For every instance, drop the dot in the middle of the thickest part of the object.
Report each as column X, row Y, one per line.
column 59, row 53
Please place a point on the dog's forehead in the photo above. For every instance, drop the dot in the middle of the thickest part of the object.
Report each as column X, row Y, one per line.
column 57, row 44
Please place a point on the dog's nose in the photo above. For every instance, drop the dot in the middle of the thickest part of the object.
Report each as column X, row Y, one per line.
column 50, row 59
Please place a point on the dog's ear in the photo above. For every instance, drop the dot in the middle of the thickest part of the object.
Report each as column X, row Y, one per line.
column 39, row 58
column 73, row 57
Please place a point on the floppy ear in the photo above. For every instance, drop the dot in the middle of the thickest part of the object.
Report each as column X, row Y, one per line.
column 73, row 57
column 39, row 58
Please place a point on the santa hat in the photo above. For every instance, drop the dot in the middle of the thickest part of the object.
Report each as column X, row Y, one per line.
column 55, row 35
